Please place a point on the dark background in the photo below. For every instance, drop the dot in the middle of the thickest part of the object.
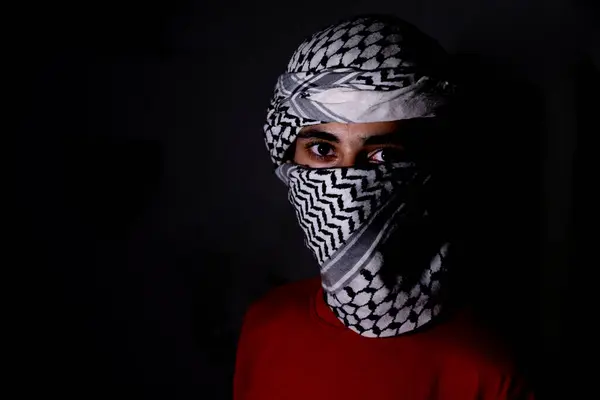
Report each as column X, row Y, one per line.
column 147, row 218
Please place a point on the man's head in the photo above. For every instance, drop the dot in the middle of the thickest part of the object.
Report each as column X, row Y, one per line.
column 351, row 129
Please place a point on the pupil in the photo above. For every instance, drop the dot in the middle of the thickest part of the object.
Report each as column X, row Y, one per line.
column 384, row 155
column 322, row 149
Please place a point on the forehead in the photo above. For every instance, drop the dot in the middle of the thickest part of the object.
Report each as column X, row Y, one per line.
column 367, row 128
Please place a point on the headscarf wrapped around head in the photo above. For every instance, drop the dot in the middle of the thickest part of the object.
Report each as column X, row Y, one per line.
column 363, row 69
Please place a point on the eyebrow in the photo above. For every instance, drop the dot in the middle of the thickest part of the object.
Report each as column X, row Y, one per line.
column 385, row 138
column 314, row 134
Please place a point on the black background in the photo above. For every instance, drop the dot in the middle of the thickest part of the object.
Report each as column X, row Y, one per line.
column 147, row 216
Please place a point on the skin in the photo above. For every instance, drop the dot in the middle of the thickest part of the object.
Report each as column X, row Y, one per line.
column 336, row 144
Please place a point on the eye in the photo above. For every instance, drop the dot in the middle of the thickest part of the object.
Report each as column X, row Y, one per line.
column 386, row 155
column 321, row 149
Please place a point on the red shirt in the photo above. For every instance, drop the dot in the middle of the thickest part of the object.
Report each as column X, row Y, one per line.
column 292, row 347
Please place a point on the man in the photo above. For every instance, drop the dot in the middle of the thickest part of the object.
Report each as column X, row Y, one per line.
column 354, row 131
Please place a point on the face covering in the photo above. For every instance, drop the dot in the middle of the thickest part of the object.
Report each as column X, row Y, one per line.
column 357, row 220
column 348, row 215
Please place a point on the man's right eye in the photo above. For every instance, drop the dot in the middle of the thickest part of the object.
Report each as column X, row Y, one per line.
column 321, row 149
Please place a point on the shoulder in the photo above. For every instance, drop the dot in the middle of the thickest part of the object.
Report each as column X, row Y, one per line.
column 476, row 343
column 472, row 351
column 281, row 306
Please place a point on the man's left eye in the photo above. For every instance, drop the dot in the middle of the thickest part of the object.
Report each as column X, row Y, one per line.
column 386, row 156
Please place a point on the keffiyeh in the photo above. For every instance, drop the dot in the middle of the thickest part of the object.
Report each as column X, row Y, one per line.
column 365, row 69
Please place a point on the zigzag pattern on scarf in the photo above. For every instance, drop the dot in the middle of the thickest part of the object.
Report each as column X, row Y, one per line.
column 331, row 204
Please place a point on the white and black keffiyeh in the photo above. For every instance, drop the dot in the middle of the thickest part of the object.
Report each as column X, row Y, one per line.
column 365, row 69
